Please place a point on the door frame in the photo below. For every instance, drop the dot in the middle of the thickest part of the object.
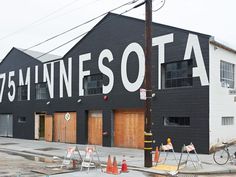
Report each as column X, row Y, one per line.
column 37, row 124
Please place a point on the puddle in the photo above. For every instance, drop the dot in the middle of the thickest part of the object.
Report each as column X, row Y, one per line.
column 7, row 143
column 3, row 173
column 47, row 149
column 37, row 159
column 30, row 157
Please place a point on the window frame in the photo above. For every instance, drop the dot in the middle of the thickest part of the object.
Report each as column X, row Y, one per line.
column 47, row 91
column 168, row 123
column 86, row 82
column 21, row 119
column 225, row 74
column 227, row 120
column 20, row 91
column 177, row 72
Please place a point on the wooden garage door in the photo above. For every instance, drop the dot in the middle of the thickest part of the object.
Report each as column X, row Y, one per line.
column 65, row 127
column 48, row 128
column 95, row 127
column 129, row 128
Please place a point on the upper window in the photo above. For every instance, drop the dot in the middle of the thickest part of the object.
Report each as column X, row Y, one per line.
column 42, row 91
column 177, row 74
column 22, row 92
column 93, row 84
column 227, row 74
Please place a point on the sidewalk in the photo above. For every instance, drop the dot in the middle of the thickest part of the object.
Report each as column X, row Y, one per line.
column 134, row 157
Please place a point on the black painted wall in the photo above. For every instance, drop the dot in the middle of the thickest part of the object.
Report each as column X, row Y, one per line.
column 115, row 32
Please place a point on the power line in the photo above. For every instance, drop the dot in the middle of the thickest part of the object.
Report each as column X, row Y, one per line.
column 71, row 29
column 37, row 21
column 81, row 34
column 70, row 11
column 163, row 3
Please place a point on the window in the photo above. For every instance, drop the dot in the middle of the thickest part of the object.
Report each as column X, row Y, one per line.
column 177, row 74
column 176, row 121
column 22, row 92
column 42, row 91
column 93, row 84
column 21, row 119
column 227, row 121
column 226, row 74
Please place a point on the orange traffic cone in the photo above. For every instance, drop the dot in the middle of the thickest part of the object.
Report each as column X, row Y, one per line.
column 115, row 168
column 156, row 157
column 109, row 165
column 124, row 167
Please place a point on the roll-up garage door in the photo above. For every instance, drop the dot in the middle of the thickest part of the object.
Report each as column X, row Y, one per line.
column 129, row 128
column 95, row 127
column 64, row 127
column 6, row 125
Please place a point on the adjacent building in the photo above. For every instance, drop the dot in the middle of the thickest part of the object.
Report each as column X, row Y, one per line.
column 91, row 95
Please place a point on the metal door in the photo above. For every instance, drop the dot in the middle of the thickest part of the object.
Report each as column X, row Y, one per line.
column 6, row 125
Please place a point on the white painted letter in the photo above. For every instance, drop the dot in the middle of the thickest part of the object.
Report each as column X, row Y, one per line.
column 3, row 77
column 27, row 81
column 199, row 71
column 106, row 53
column 36, row 72
column 161, row 41
column 12, row 84
column 133, row 47
column 82, row 58
column 66, row 78
column 46, row 78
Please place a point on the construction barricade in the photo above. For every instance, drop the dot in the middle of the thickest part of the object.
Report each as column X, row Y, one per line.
column 89, row 160
column 72, row 156
column 167, row 148
column 189, row 149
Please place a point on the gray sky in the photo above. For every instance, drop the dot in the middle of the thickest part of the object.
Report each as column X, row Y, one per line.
column 24, row 23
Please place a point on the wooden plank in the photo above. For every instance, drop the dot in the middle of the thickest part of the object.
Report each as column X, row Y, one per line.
column 129, row 128
column 48, row 127
column 95, row 127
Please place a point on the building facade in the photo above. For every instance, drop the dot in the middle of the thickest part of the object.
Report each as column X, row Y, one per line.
column 91, row 95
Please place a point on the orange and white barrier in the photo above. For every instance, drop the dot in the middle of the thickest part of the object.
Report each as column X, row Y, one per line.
column 189, row 148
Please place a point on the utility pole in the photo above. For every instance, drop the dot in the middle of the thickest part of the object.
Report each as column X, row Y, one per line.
column 148, row 85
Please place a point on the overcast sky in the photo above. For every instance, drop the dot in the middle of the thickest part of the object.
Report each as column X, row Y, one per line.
column 24, row 23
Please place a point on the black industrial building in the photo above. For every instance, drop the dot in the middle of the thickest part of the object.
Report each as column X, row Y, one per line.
column 92, row 94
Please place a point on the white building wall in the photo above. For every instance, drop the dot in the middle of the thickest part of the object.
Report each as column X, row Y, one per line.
column 221, row 102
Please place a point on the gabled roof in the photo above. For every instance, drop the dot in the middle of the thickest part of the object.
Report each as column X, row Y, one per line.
column 36, row 55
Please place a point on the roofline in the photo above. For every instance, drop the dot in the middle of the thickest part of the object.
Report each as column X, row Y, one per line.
column 132, row 18
column 3, row 59
column 220, row 45
column 164, row 25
